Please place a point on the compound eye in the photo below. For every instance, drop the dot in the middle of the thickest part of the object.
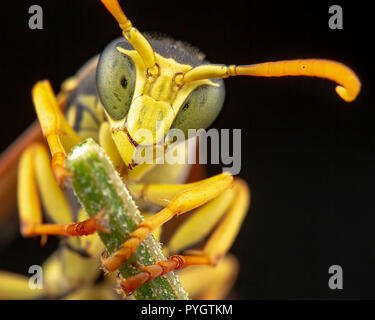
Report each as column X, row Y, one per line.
column 200, row 108
column 115, row 81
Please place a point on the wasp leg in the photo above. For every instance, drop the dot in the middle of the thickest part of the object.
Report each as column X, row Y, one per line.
column 109, row 146
column 10, row 157
column 201, row 282
column 60, row 136
column 162, row 194
column 148, row 273
column 107, row 143
column 34, row 171
column 207, row 283
column 16, row 286
column 206, row 216
column 157, row 232
column 201, row 222
column 215, row 248
column 101, row 291
column 182, row 202
column 225, row 233
column 74, row 265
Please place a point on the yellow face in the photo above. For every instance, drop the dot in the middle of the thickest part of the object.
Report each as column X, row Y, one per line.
column 154, row 106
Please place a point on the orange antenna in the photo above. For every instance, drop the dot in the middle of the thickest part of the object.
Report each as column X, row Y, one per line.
column 135, row 38
column 348, row 88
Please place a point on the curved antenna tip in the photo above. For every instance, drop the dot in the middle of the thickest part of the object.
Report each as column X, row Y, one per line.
column 344, row 94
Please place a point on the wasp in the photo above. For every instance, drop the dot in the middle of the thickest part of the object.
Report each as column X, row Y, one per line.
column 140, row 83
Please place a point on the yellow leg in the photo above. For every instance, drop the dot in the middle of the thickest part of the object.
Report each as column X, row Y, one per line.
column 215, row 248
column 200, row 222
column 110, row 148
column 206, row 216
column 107, row 143
column 224, row 235
column 157, row 232
column 34, row 170
column 207, row 283
column 28, row 202
column 10, row 157
column 52, row 197
column 161, row 194
column 184, row 201
column 15, row 286
column 53, row 125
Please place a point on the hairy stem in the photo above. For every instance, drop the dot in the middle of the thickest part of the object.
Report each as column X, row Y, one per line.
column 99, row 187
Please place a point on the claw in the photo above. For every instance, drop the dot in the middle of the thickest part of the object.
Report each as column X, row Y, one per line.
column 132, row 283
column 43, row 240
column 103, row 267
column 118, row 288
column 61, row 175
column 102, row 223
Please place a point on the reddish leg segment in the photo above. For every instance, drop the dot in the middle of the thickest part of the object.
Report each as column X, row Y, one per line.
column 162, row 267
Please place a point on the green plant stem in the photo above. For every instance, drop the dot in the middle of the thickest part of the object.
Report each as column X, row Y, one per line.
column 99, row 187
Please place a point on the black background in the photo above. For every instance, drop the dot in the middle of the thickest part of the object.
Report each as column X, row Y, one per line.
column 307, row 156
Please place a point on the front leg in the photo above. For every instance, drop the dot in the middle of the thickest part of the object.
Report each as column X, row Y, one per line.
column 35, row 179
column 53, row 125
column 214, row 249
column 184, row 201
column 34, row 174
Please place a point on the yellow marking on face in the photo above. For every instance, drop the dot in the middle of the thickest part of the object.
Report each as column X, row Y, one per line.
column 156, row 102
